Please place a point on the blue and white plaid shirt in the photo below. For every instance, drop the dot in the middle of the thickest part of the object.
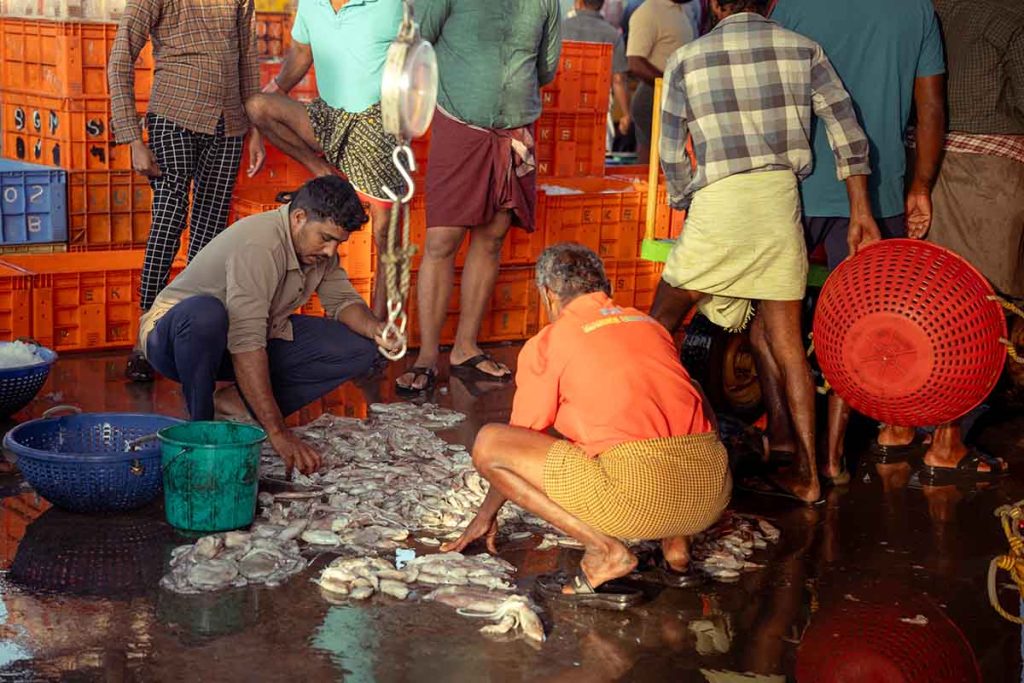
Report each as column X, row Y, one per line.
column 746, row 92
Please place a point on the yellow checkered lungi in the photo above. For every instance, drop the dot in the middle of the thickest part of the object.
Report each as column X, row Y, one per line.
column 652, row 489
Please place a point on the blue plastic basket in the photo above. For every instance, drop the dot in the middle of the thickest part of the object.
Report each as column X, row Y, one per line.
column 18, row 386
column 80, row 462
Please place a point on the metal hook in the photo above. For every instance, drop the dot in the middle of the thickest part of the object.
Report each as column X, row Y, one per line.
column 410, row 184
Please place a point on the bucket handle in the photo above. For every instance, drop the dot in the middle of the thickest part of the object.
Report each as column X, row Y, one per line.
column 74, row 410
column 183, row 451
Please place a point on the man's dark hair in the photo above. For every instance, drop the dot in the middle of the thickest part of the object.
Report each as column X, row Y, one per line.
column 734, row 6
column 595, row 5
column 330, row 198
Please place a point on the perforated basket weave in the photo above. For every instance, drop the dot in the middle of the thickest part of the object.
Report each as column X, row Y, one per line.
column 905, row 332
column 79, row 462
column 18, row 386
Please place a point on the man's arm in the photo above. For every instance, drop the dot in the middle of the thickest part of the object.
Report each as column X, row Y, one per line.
column 643, row 69
column 550, row 45
column 252, row 276
column 930, row 134
column 295, row 66
column 833, row 105
column 642, row 36
column 620, row 85
column 140, row 16
column 674, row 131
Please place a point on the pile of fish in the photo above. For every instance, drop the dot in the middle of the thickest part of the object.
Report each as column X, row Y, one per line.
column 477, row 586
column 723, row 551
column 265, row 556
column 389, row 480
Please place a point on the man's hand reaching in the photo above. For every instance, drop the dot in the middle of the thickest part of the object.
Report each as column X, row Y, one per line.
column 295, row 452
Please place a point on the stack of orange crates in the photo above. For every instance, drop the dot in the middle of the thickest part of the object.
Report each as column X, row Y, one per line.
column 55, row 110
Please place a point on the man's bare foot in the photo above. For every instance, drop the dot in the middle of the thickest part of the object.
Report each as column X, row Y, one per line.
column 228, row 405
column 891, row 435
column 797, row 484
column 460, row 354
column 676, row 551
column 412, row 381
column 602, row 565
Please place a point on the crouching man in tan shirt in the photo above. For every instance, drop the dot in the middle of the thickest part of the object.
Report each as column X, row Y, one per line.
column 230, row 316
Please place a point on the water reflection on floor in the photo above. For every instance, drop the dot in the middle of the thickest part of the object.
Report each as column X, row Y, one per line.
column 885, row 566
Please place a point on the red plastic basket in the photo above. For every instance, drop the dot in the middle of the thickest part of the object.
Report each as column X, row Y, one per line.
column 906, row 333
column 868, row 641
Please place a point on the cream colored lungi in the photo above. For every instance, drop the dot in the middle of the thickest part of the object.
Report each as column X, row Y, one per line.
column 742, row 242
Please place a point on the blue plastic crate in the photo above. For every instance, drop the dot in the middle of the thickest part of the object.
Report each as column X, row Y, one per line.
column 33, row 203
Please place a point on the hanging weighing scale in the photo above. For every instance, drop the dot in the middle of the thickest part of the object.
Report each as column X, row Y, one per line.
column 407, row 102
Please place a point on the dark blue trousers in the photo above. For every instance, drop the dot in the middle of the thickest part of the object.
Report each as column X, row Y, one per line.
column 189, row 345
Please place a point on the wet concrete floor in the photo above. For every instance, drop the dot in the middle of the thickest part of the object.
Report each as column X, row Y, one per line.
column 888, row 569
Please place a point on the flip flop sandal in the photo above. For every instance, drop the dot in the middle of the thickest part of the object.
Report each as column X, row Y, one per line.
column 139, row 370
column 417, row 372
column 965, row 470
column 470, row 368
column 891, row 455
column 763, row 485
column 610, row 595
column 663, row 575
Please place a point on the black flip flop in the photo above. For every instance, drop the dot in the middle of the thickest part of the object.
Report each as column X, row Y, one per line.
column 965, row 470
column 766, row 486
column 470, row 369
column 662, row 574
column 610, row 595
column 417, row 372
column 138, row 369
column 892, row 455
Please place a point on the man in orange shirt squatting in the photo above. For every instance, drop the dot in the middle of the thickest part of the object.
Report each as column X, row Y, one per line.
column 638, row 456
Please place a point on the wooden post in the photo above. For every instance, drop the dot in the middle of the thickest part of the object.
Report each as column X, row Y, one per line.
column 652, row 174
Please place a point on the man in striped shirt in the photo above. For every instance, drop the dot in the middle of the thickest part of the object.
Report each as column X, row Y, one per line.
column 747, row 93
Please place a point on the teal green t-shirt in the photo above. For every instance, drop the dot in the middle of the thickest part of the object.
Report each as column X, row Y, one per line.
column 349, row 47
column 878, row 47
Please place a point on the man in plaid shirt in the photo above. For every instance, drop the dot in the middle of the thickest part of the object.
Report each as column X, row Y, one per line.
column 747, row 93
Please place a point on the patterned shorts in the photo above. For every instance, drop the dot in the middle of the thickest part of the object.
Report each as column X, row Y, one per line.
column 650, row 489
column 357, row 145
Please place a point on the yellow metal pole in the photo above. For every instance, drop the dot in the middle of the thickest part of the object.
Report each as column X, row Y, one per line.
column 652, row 174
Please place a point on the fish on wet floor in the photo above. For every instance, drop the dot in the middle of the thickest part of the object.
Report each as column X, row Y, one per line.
column 510, row 612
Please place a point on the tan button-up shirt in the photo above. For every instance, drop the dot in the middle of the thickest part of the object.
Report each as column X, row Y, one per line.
column 253, row 269
column 205, row 53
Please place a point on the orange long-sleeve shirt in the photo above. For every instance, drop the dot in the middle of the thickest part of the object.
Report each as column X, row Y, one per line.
column 602, row 375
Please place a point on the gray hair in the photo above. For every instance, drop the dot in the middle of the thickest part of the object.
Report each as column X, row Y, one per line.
column 571, row 270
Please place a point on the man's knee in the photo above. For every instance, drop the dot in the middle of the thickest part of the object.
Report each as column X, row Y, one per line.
column 485, row 446
column 258, row 108
column 442, row 243
column 207, row 318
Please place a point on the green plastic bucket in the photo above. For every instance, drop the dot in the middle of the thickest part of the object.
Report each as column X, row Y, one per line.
column 211, row 473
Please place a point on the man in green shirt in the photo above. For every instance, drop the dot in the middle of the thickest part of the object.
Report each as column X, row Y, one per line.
column 347, row 41
column 493, row 58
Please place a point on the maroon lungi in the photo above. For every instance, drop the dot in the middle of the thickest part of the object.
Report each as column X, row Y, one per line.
column 472, row 174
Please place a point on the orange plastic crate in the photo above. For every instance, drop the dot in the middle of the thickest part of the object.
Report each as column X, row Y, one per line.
column 16, row 513
column 64, row 58
column 108, row 210
column 590, row 211
column 273, row 33
column 648, row 274
column 570, row 144
column 72, row 133
column 15, row 302
column 279, row 170
column 84, row 301
column 583, row 82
